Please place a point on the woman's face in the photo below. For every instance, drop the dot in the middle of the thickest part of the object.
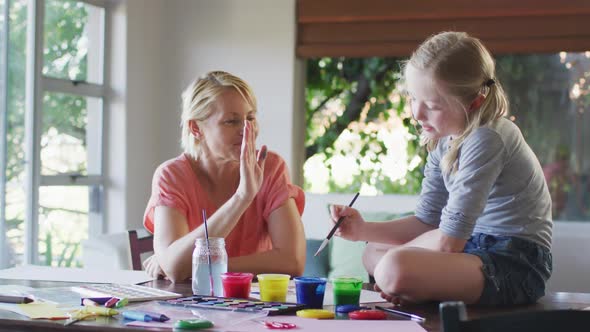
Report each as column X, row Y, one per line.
column 430, row 108
column 222, row 131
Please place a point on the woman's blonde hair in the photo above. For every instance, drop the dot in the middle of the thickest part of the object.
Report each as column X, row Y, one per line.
column 198, row 97
column 463, row 69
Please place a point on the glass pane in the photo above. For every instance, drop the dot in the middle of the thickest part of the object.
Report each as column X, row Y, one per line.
column 15, row 172
column 360, row 133
column 71, row 140
column 368, row 141
column 550, row 101
column 63, row 224
column 73, row 41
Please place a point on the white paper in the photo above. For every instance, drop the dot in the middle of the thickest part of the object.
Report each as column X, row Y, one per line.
column 367, row 296
column 306, row 324
column 96, row 276
column 13, row 308
column 250, row 322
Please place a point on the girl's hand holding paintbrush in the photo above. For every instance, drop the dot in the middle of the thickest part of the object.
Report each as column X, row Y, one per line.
column 352, row 226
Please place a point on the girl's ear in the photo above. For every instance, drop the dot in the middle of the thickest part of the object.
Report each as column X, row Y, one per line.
column 476, row 104
column 194, row 128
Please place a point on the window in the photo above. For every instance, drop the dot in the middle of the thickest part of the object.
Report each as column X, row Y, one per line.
column 360, row 134
column 52, row 175
column 550, row 101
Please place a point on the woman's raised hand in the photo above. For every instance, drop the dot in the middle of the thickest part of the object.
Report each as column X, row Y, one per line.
column 350, row 228
column 251, row 165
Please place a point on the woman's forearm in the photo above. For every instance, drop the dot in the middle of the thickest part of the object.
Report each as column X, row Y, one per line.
column 176, row 259
column 177, row 264
column 288, row 239
column 173, row 247
column 223, row 221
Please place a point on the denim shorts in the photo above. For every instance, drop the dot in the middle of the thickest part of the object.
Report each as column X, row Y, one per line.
column 515, row 269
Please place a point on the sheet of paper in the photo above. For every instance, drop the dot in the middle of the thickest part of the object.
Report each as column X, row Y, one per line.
column 98, row 276
column 12, row 307
column 245, row 322
column 367, row 296
column 307, row 324
column 63, row 297
column 42, row 310
column 310, row 325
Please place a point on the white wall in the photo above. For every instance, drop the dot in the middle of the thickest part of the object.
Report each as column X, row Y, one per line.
column 165, row 45
column 252, row 39
column 133, row 132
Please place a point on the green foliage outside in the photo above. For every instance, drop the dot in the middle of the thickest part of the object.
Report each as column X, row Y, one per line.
column 64, row 56
column 367, row 96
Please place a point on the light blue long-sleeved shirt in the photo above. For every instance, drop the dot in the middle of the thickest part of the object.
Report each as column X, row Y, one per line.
column 498, row 189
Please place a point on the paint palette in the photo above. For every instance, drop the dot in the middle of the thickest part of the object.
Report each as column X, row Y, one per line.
column 233, row 304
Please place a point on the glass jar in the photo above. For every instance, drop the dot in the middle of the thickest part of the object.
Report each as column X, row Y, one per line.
column 208, row 265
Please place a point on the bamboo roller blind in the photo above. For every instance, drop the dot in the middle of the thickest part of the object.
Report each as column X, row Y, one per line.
column 394, row 28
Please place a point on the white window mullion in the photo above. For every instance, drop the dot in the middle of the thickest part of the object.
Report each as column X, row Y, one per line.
column 72, row 87
column 96, row 115
column 97, row 211
column 33, row 113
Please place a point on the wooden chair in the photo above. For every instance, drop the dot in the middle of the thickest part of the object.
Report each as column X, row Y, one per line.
column 139, row 246
column 454, row 319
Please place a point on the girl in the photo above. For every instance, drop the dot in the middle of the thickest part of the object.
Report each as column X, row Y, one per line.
column 481, row 232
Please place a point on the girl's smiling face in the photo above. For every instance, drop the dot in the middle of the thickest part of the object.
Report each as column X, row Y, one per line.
column 430, row 108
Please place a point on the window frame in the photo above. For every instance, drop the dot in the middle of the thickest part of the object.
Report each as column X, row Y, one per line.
column 37, row 85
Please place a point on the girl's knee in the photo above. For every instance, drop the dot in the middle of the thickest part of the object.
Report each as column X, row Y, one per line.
column 394, row 273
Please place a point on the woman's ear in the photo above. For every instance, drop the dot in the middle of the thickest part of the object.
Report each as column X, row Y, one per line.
column 476, row 104
column 194, row 128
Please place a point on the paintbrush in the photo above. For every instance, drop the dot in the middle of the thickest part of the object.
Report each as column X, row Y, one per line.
column 208, row 251
column 325, row 243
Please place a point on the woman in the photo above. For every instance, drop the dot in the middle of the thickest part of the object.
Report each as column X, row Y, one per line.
column 247, row 194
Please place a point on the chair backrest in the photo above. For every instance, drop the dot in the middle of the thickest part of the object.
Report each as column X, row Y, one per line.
column 454, row 319
column 139, row 246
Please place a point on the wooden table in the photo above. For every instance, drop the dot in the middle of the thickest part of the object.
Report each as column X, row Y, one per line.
column 10, row 321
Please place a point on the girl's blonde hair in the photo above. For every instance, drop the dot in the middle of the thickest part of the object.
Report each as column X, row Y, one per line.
column 198, row 97
column 463, row 69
